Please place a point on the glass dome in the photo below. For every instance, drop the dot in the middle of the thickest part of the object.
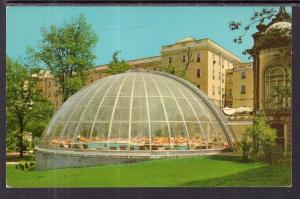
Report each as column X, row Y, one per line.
column 137, row 111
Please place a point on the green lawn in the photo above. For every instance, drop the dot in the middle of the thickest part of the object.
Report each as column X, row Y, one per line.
column 193, row 171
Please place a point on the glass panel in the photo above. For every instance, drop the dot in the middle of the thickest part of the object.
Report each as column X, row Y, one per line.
column 139, row 88
column 90, row 113
column 122, row 109
column 179, row 136
column 220, row 136
column 98, row 140
column 75, row 116
column 100, row 132
column 123, row 102
column 186, row 93
column 156, row 109
column 175, row 90
column 113, row 91
column 139, row 136
column 197, row 137
column 69, row 133
column 208, row 131
column 119, row 136
column 164, row 91
column 203, row 114
column 139, row 77
column 54, row 140
column 187, row 111
column 104, row 114
column 151, row 89
column 160, row 136
column 83, row 132
column 126, row 88
column 139, row 109
column 172, row 110
column 121, row 114
column 49, row 131
column 109, row 101
column 66, row 111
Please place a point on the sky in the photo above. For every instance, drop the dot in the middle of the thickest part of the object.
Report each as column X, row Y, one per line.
column 137, row 31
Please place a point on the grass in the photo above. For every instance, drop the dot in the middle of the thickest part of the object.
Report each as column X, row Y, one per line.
column 193, row 171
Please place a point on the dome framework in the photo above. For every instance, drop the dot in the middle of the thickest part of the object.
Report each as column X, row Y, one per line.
column 136, row 112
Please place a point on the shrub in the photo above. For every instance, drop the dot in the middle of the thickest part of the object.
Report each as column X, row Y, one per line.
column 31, row 164
column 263, row 139
column 245, row 148
column 26, row 166
column 21, row 166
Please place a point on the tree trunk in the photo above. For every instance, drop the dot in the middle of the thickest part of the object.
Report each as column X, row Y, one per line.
column 20, row 136
column 21, row 145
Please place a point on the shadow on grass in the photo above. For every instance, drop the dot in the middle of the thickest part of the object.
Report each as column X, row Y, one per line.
column 18, row 159
column 237, row 159
column 269, row 175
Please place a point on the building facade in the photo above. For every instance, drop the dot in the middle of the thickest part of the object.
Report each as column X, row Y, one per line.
column 205, row 63
column 272, row 75
column 49, row 86
column 239, row 86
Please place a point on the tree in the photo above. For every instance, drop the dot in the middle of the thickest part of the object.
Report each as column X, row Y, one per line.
column 116, row 66
column 261, row 136
column 25, row 104
column 259, row 17
column 274, row 37
column 175, row 71
column 189, row 60
column 67, row 52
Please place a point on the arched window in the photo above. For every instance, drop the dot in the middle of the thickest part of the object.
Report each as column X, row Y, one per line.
column 277, row 87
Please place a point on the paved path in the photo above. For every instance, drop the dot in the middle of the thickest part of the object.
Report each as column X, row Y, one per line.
column 11, row 163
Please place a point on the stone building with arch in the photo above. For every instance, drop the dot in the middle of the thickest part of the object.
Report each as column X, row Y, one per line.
column 272, row 75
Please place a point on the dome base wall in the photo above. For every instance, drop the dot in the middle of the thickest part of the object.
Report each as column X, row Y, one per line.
column 47, row 159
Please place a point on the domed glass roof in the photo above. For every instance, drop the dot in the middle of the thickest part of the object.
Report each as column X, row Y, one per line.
column 137, row 111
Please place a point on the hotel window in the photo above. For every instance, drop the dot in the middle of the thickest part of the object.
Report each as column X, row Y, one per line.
column 220, row 60
column 198, row 57
column 198, row 85
column 213, row 90
column 243, row 89
column 213, row 74
column 154, row 68
column 222, row 77
column 214, row 61
column 170, row 60
column 183, row 59
column 219, row 75
column 219, row 91
column 243, row 74
column 198, row 73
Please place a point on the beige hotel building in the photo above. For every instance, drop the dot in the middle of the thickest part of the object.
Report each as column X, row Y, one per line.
column 211, row 67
